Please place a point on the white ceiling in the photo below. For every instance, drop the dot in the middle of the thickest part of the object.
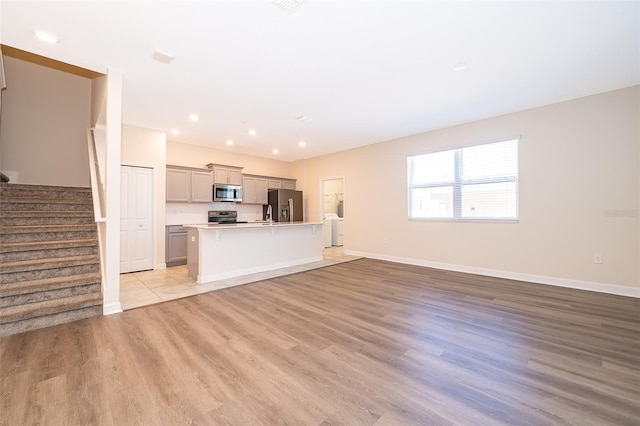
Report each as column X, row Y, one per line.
column 364, row 71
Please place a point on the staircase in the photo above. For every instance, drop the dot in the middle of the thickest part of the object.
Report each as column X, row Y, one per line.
column 49, row 260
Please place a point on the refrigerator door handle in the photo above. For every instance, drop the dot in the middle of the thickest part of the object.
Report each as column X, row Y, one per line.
column 290, row 209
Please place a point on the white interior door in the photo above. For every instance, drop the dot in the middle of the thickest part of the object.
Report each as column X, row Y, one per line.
column 136, row 219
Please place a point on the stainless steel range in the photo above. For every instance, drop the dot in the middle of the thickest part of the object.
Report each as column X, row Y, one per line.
column 223, row 217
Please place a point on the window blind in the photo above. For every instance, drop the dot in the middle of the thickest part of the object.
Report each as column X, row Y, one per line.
column 479, row 182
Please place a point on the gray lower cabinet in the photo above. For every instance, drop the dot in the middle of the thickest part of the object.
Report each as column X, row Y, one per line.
column 176, row 240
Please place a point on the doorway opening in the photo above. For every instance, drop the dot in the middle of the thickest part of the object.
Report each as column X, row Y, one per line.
column 333, row 210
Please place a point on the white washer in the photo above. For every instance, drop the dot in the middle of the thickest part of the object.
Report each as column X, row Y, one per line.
column 337, row 231
column 330, row 218
column 327, row 226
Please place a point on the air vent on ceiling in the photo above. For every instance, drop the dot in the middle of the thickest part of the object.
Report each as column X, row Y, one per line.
column 289, row 6
column 161, row 56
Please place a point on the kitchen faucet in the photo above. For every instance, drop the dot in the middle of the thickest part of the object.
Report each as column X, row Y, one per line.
column 269, row 214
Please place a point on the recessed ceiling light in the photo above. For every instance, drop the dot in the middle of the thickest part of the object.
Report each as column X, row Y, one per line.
column 460, row 67
column 302, row 144
column 193, row 117
column 229, row 142
column 46, row 37
column 175, row 131
column 252, row 132
column 275, row 151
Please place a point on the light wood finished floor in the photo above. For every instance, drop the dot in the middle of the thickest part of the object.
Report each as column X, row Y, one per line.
column 149, row 287
column 365, row 342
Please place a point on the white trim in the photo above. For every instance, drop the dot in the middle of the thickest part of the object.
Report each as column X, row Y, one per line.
column 344, row 191
column 112, row 308
column 112, row 157
column 539, row 279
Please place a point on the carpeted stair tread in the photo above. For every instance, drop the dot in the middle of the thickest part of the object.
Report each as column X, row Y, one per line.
column 49, row 320
column 21, row 312
column 53, row 188
column 49, row 257
column 47, row 284
column 35, row 217
column 47, row 214
column 40, row 191
column 44, row 207
column 38, row 200
column 29, row 229
column 41, row 296
column 45, row 245
column 40, row 264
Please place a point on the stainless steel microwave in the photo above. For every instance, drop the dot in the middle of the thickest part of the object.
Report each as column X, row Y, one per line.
column 227, row 193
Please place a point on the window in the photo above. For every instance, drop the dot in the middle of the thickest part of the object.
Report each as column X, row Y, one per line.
column 475, row 183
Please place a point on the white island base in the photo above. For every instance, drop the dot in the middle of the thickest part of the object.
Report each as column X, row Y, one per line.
column 217, row 252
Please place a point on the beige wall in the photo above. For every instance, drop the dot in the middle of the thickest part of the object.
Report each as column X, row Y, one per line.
column 578, row 162
column 147, row 148
column 181, row 154
column 45, row 116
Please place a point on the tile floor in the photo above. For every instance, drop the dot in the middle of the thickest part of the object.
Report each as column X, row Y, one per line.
column 149, row 287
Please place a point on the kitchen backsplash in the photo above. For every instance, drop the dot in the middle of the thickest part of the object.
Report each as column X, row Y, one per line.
column 193, row 214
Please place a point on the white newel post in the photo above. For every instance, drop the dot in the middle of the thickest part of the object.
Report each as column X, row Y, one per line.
column 111, row 296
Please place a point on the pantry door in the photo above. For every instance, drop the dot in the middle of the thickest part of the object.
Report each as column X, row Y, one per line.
column 136, row 219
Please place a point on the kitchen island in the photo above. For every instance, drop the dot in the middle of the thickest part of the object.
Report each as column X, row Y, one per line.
column 216, row 252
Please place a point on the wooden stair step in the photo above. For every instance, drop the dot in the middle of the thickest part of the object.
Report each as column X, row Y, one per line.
column 47, row 284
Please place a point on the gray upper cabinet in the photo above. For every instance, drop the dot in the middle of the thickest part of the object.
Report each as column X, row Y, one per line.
column 275, row 183
column 201, row 187
column 227, row 174
column 254, row 190
column 278, row 183
column 188, row 185
column 178, row 185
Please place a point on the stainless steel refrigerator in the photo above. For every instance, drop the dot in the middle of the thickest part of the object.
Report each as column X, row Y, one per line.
column 286, row 205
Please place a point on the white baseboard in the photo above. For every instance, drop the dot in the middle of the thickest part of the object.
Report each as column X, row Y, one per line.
column 160, row 266
column 539, row 279
column 112, row 308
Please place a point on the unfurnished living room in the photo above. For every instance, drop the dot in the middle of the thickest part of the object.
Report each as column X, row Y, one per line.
column 313, row 212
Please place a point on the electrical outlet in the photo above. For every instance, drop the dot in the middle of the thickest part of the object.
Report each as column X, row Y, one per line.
column 597, row 258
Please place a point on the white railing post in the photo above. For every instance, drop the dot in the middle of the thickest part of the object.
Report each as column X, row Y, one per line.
column 97, row 192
